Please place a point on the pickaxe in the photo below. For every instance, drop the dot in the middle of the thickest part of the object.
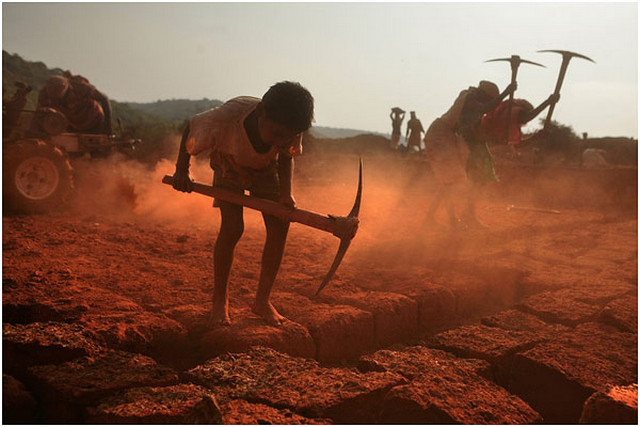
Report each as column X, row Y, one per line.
column 515, row 62
column 566, row 57
column 344, row 227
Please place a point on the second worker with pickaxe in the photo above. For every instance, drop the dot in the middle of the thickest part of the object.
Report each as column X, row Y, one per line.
column 252, row 143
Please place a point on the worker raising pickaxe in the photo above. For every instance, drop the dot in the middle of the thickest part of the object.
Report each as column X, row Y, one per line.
column 515, row 62
column 566, row 57
column 343, row 227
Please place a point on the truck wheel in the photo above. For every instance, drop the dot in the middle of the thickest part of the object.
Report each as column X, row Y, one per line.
column 37, row 177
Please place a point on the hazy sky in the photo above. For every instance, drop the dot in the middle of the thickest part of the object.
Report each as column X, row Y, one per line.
column 357, row 59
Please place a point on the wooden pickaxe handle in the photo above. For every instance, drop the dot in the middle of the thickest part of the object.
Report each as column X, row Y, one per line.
column 312, row 219
column 556, row 91
column 344, row 227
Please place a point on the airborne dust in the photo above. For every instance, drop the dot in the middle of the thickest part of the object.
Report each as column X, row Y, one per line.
column 393, row 242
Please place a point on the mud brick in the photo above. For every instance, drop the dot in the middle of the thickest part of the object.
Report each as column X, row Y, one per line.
column 600, row 292
column 516, row 320
column 454, row 395
column 556, row 377
column 21, row 311
column 46, row 343
column 65, row 389
column 340, row 332
column 248, row 330
column 18, row 406
column 241, row 412
column 560, row 307
column 436, row 306
column 619, row 405
column 136, row 331
column 489, row 289
column 177, row 404
column 483, row 342
column 192, row 317
column 395, row 316
column 265, row 376
column 621, row 313
column 412, row 362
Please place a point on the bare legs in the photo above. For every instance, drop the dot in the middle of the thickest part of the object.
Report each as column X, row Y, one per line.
column 231, row 229
column 445, row 194
column 271, row 258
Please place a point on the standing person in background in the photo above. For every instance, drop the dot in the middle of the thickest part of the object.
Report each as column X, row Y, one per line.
column 397, row 116
column 458, row 156
column 414, row 132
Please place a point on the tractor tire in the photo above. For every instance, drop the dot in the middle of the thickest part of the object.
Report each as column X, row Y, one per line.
column 37, row 177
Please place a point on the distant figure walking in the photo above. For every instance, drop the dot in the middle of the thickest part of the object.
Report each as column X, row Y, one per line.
column 397, row 116
column 414, row 132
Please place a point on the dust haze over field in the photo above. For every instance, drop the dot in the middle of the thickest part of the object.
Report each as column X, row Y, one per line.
column 397, row 191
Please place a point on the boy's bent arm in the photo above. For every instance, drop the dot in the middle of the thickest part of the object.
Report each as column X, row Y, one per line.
column 285, row 177
column 181, row 179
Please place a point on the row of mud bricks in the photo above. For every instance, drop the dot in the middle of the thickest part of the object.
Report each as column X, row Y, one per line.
column 563, row 356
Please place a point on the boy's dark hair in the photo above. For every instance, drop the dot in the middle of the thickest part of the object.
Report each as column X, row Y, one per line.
column 289, row 104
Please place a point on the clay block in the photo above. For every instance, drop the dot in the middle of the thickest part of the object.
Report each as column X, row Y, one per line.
column 65, row 389
column 18, row 406
column 395, row 316
column 265, row 376
column 618, row 405
column 177, row 404
column 516, row 320
column 486, row 290
column 454, row 397
column 484, row 342
column 556, row 377
column 248, row 330
column 46, row 343
column 340, row 332
column 136, row 331
column 241, row 412
column 412, row 362
column 191, row 317
column 560, row 307
column 621, row 313
column 444, row 389
column 436, row 307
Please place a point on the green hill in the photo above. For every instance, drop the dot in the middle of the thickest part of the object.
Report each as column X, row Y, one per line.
column 176, row 109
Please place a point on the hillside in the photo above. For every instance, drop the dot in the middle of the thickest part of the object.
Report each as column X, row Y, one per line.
column 176, row 109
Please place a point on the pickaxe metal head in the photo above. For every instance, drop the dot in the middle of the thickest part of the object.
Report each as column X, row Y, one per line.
column 515, row 61
column 350, row 225
column 566, row 57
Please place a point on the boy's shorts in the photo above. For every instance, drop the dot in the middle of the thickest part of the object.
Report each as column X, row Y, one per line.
column 263, row 183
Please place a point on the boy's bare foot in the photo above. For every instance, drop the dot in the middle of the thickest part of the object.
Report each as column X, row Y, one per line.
column 219, row 316
column 268, row 313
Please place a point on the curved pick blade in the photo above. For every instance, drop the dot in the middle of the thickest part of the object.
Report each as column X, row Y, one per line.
column 355, row 210
column 569, row 54
column 498, row 59
column 532, row 63
column 342, row 249
column 344, row 243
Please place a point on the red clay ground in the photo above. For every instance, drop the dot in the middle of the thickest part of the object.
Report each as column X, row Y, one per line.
column 518, row 324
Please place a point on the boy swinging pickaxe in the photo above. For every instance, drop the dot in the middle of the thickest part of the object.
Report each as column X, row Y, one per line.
column 343, row 227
